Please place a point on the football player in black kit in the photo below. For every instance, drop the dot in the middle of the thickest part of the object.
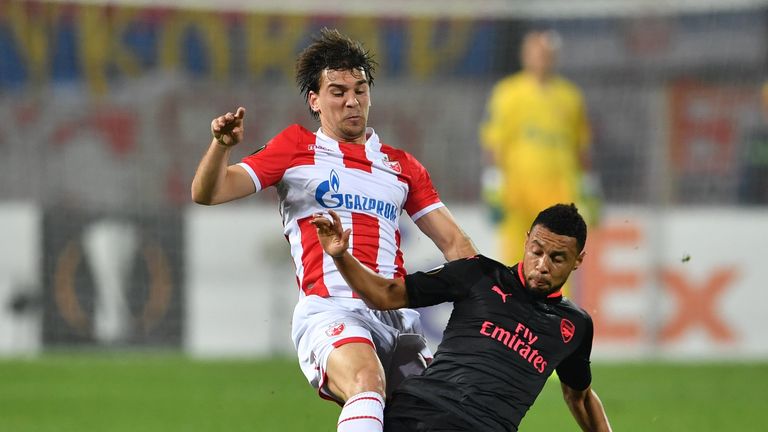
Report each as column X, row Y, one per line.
column 509, row 330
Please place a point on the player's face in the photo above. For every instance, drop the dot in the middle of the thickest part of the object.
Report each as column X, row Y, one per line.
column 549, row 260
column 539, row 53
column 343, row 102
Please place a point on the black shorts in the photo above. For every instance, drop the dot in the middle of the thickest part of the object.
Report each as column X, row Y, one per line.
column 408, row 413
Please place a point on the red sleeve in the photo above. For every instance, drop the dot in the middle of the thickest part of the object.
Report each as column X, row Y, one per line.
column 421, row 192
column 268, row 164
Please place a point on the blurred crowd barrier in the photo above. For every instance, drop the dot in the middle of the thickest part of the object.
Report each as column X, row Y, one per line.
column 219, row 281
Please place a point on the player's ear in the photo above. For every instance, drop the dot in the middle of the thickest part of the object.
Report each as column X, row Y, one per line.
column 313, row 100
column 579, row 259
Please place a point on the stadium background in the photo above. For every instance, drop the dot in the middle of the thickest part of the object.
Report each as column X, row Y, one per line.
column 106, row 110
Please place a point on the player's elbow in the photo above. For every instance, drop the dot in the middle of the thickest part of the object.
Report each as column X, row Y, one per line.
column 382, row 302
column 200, row 195
column 390, row 296
column 199, row 198
column 574, row 397
column 378, row 303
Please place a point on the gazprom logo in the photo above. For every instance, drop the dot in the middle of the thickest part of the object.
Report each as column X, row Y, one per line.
column 328, row 196
column 326, row 187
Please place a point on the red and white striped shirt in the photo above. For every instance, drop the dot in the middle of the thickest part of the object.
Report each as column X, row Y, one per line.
column 367, row 185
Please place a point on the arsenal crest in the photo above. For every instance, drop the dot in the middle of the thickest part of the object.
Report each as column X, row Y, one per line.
column 335, row 329
column 566, row 330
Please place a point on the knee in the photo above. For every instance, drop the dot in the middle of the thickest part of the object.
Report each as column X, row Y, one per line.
column 354, row 369
column 368, row 378
column 365, row 379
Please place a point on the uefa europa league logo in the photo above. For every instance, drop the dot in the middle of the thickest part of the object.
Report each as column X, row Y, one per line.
column 131, row 286
column 110, row 247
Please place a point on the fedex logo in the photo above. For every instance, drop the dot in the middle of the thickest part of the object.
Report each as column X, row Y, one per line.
column 686, row 302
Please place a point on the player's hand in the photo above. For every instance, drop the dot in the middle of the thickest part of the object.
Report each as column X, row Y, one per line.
column 333, row 239
column 228, row 129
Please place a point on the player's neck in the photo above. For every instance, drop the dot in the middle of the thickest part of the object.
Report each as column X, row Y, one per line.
column 361, row 139
column 542, row 78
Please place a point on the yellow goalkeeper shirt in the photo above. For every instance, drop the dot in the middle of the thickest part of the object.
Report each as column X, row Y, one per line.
column 536, row 134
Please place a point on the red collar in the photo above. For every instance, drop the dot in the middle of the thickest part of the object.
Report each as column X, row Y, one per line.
column 557, row 293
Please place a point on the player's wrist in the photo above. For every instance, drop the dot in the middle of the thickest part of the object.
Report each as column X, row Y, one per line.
column 219, row 141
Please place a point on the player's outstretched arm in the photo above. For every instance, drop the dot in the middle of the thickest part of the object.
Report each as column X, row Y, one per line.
column 215, row 182
column 440, row 226
column 377, row 292
column 586, row 408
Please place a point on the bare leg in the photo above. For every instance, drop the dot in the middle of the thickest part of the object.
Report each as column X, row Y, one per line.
column 355, row 375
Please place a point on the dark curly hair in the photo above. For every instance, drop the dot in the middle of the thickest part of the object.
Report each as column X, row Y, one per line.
column 564, row 219
column 331, row 50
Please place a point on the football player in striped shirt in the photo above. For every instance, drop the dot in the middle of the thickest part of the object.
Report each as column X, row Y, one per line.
column 348, row 352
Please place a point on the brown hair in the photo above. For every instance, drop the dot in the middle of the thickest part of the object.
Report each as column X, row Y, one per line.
column 331, row 50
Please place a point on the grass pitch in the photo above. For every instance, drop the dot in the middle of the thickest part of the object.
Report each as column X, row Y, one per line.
column 148, row 393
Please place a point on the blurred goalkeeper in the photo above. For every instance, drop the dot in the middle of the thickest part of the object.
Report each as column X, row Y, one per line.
column 349, row 353
column 537, row 134
column 509, row 330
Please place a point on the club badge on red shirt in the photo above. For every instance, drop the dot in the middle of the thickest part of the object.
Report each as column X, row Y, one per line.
column 335, row 329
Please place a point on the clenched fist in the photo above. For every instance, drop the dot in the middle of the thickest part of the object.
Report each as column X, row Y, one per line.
column 227, row 130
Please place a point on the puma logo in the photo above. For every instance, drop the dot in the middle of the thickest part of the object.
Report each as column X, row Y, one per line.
column 498, row 291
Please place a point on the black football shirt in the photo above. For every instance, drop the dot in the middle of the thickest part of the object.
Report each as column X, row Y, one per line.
column 499, row 347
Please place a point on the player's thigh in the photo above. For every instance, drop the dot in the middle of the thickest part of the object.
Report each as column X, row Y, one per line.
column 319, row 326
column 354, row 368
